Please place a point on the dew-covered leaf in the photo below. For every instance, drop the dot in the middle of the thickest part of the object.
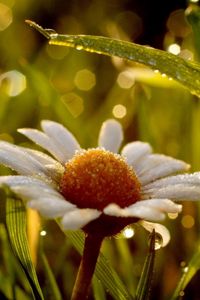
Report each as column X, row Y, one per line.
column 185, row 72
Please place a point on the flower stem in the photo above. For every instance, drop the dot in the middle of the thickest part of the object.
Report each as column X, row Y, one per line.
column 87, row 266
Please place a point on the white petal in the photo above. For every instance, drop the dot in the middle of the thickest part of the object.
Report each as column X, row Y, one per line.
column 52, row 167
column 29, row 188
column 45, row 142
column 111, row 135
column 185, row 179
column 162, row 205
column 156, row 166
column 136, row 151
column 61, row 137
column 174, row 192
column 41, row 156
column 139, row 211
column 53, row 207
column 19, row 160
column 78, row 218
column 160, row 229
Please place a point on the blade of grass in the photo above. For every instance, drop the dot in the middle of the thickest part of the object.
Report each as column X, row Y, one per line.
column 189, row 272
column 144, row 285
column 53, row 290
column 98, row 290
column 185, row 72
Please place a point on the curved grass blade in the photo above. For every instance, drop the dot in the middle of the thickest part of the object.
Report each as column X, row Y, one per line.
column 188, row 273
column 144, row 285
column 185, row 72
column 16, row 230
column 104, row 271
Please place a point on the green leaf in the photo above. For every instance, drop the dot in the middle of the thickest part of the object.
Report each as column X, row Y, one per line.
column 104, row 272
column 188, row 273
column 144, row 285
column 16, row 229
column 185, row 72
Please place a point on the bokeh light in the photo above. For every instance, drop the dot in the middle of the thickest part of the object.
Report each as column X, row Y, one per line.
column 5, row 16
column 128, row 232
column 74, row 103
column 13, row 82
column 125, row 80
column 119, row 111
column 187, row 221
column 174, row 49
column 85, row 80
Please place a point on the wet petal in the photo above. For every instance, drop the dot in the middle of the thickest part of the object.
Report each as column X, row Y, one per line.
column 111, row 135
column 156, row 166
column 19, row 160
column 52, row 167
column 162, row 205
column 185, row 179
column 174, row 192
column 139, row 211
column 160, row 229
column 51, row 207
column 45, row 142
column 136, row 151
column 40, row 156
column 78, row 218
column 29, row 187
column 61, row 137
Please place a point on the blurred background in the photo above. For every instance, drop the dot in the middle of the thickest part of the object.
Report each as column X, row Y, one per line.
column 81, row 90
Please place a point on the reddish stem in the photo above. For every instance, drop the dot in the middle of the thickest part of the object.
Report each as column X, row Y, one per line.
column 87, row 266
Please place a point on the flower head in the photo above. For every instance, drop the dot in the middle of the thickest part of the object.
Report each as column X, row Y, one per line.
column 97, row 189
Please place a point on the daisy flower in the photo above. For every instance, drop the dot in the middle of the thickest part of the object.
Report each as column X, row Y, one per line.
column 96, row 190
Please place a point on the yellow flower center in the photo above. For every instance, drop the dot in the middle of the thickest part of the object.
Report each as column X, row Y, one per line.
column 95, row 178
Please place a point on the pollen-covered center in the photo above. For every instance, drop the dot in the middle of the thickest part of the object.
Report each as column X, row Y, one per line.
column 95, row 178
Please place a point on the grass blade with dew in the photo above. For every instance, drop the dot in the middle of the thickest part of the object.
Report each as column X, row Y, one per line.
column 185, row 72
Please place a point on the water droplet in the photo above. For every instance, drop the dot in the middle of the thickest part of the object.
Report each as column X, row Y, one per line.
column 185, row 270
column 183, row 264
column 50, row 31
column 79, row 47
column 43, row 232
column 158, row 241
column 164, row 75
column 182, row 293
column 152, row 62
